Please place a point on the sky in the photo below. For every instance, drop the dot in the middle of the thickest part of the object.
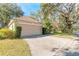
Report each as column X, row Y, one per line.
column 29, row 7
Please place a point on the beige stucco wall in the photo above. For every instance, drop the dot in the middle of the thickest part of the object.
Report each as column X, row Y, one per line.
column 30, row 30
column 12, row 26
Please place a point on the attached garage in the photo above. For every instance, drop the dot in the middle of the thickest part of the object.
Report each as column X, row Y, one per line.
column 30, row 26
column 29, row 30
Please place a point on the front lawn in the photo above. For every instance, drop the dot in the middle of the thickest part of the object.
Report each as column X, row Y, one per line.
column 15, row 47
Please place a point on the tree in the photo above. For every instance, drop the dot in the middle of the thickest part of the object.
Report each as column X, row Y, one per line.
column 66, row 14
column 45, row 14
column 67, row 17
column 9, row 11
column 37, row 15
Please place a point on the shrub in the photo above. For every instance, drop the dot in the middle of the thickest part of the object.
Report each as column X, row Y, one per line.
column 47, row 26
column 43, row 30
column 18, row 31
column 6, row 33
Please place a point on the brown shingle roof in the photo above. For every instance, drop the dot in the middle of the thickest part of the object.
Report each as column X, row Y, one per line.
column 27, row 19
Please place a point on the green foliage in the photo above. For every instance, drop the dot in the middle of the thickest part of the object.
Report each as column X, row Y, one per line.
column 6, row 33
column 9, row 11
column 65, row 14
column 47, row 26
column 18, row 32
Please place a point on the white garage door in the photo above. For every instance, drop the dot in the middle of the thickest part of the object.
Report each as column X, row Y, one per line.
column 30, row 30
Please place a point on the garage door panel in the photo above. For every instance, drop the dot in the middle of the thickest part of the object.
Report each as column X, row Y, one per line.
column 29, row 30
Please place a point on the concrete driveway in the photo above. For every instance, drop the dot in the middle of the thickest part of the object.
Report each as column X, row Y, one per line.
column 52, row 46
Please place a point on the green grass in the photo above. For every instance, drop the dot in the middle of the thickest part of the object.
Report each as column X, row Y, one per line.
column 15, row 47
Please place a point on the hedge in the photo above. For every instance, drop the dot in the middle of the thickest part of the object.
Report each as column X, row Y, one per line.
column 18, row 31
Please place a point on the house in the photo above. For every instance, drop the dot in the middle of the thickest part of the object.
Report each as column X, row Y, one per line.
column 29, row 26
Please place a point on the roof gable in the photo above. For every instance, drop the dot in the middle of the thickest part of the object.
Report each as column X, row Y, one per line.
column 27, row 19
